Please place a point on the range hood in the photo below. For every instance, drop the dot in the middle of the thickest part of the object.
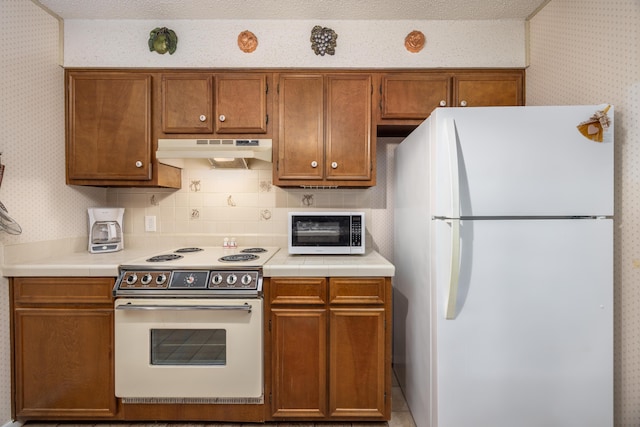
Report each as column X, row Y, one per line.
column 221, row 153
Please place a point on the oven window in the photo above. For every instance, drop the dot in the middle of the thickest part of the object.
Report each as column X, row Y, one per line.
column 188, row 347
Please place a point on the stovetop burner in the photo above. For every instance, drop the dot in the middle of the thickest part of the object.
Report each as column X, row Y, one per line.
column 187, row 250
column 165, row 257
column 238, row 257
column 253, row 250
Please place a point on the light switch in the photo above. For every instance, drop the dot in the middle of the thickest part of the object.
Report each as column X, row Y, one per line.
column 150, row 223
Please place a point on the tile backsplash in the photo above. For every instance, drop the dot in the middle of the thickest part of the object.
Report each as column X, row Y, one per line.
column 217, row 203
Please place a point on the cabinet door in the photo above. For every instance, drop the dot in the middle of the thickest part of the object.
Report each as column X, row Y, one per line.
column 488, row 89
column 64, row 363
column 301, row 127
column 109, row 126
column 187, row 103
column 241, row 103
column 357, row 362
column 299, row 362
column 413, row 96
column 349, row 149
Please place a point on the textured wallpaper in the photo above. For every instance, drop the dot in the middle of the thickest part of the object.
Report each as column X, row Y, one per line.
column 32, row 146
column 584, row 52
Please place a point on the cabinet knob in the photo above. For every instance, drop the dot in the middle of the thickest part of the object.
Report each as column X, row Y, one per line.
column 203, row 118
column 443, row 103
column 334, row 165
column 222, row 118
column 463, row 103
column 314, row 164
column 138, row 164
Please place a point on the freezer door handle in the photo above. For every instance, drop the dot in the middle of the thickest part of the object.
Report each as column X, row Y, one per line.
column 454, row 275
column 449, row 133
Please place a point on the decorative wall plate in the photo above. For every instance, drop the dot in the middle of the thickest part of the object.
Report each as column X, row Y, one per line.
column 414, row 42
column 247, row 41
column 163, row 40
column 323, row 40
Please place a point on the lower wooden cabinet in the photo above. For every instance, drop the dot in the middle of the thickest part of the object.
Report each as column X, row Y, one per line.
column 299, row 363
column 330, row 348
column 62, row 348
column 357, row 385
column 327, row 352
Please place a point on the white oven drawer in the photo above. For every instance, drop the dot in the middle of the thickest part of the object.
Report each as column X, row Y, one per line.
column 183, row 348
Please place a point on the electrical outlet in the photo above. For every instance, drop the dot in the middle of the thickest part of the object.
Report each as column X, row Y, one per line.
column 150, row 223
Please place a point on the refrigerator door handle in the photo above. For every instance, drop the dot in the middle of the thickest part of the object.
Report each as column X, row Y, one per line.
column 449, row 133
column 451, row 141
column 454, row 275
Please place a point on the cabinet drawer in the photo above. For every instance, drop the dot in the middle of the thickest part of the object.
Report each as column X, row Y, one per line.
column 357, row 290
column 307, row 291
column 62, row 290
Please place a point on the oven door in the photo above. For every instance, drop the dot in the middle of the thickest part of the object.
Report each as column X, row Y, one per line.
column 191, row 350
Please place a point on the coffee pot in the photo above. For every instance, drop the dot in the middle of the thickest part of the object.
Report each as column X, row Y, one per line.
column 105, row 229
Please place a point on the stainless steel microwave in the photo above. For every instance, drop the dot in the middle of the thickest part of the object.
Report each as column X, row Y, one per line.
column 326, row 233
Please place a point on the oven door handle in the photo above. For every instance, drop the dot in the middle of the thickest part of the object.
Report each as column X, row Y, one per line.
column 245, row 307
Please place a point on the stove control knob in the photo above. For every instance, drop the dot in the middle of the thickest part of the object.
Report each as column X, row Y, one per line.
column 232, row 279
column 131, row 279
column 146, row 279
column 246, row 279
column 161, row 279
column 216, row 279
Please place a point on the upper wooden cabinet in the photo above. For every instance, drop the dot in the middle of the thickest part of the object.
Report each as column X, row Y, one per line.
column 322, row 122
column 205, row 103
column 241, row 103
column 407, row 98
column 412, row 95
column 109, row 126
column 109, row 131
column 488, row 89
column 187, row 103
column 324, row 130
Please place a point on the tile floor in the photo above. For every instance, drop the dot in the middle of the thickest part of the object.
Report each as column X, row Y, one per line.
column 400, row 417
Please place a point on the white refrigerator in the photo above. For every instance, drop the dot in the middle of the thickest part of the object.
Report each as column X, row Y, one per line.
column 503, row 294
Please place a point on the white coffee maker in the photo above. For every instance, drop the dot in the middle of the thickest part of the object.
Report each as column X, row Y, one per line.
column 105, row 230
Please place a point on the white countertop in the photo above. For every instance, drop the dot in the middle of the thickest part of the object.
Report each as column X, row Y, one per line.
column 85, row 264
column 371, row 264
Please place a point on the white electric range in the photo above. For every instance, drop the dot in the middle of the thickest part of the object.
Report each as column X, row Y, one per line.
column 189, row 327
column 195, row 271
